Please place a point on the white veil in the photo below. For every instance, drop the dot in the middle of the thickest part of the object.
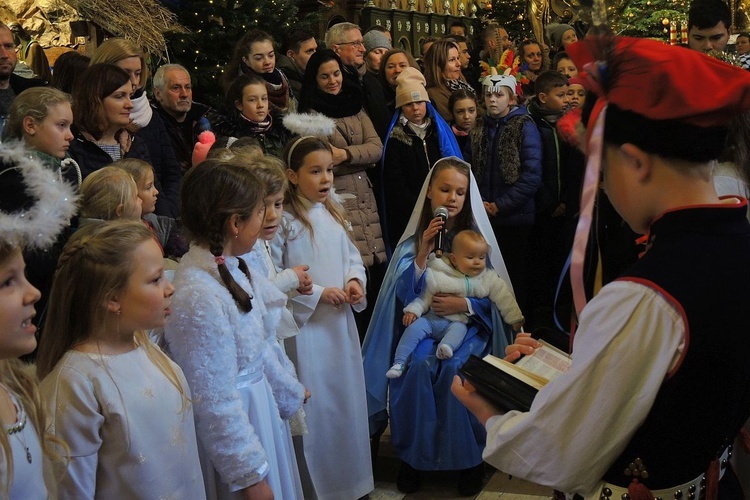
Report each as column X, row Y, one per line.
column 479, row 215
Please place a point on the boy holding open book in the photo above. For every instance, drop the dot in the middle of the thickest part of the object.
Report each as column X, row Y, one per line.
column 659, row 384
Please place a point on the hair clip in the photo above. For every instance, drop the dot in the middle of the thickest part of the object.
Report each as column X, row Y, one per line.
column 220, row 261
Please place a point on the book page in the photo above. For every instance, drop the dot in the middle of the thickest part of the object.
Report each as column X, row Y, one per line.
column 547, row 362
column 523, row 375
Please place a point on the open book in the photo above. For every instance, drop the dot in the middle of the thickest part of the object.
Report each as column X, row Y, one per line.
column 513, row 386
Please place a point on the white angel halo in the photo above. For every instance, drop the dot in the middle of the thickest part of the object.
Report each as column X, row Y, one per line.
column 54, row 200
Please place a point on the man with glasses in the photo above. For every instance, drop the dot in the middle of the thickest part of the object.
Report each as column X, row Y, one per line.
column 345, row 39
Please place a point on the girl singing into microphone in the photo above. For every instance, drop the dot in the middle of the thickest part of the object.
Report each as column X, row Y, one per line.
column 419, row 408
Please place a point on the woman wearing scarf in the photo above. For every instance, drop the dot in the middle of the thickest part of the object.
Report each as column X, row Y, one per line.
column 148, row 126
column 442, row 70
column 254, row 54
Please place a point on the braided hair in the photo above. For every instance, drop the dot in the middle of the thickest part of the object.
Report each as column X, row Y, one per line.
column 211, row 194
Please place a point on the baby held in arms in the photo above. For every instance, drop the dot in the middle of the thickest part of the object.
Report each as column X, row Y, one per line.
column 464, row 273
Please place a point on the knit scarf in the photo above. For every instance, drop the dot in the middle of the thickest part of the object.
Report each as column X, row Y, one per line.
column 508, row 150
column 458, row 132
column 277, row 86
column 454, row 85
column 536, row 109
column 255, row 127
column 142, row 111
column 347, row 102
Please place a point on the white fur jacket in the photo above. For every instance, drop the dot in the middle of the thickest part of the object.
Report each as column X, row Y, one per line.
column 213, row 341
column 442, row 277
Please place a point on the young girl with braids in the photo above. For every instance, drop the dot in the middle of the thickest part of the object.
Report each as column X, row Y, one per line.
column 223, row 311
column 271, row 173
column 326, row 352
column 25, row 445
column 120, row 404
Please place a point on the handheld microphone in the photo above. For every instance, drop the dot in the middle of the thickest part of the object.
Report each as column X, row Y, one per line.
column 441, row 212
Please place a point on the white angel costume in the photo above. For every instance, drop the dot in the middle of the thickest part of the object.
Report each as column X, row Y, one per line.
column 241, row 389
column 328, row 359
column 287, row 282
column 124, row 424
column 28, row 458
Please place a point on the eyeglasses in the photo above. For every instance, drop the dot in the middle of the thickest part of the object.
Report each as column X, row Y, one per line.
column 357, row 43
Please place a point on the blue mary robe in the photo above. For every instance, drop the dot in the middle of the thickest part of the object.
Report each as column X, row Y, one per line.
column 430, row 428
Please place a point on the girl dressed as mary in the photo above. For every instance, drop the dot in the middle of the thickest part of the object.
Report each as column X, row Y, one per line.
column 431, row 430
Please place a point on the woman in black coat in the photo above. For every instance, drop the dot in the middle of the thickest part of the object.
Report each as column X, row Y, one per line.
column 101, row 113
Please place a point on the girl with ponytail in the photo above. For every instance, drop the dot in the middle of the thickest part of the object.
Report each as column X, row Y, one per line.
column 217, row 334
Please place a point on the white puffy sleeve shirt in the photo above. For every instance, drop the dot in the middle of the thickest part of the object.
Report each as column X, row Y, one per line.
column 629, row 338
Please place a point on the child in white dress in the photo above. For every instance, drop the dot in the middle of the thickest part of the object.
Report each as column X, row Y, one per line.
column 270, row 171
column 120, row 404
column 326, row 352
column 463, row 274
column 25, row 445
column 221, row 334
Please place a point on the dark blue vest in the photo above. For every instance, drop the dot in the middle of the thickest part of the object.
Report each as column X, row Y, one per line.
column 699, row 259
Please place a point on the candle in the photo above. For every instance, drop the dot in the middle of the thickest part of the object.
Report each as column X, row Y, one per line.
column 684, row 33
column 673, row 33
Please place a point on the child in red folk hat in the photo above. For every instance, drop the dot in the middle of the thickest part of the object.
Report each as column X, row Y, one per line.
column 660, row 384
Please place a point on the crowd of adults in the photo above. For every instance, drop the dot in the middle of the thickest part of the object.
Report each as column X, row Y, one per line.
column 388, row 117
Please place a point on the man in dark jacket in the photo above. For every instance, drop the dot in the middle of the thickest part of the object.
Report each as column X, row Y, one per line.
column 300, row 45
column 345, row 39
column 183, row 118
column 10, row 85
column 547, row 248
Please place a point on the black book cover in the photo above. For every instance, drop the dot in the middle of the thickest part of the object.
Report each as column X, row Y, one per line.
column 501, row 389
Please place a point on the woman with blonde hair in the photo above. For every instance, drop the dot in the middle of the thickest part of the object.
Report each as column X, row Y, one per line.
column 147, row 125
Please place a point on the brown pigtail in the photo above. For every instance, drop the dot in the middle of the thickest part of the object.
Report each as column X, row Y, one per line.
column 211, row 195
column 240, row 296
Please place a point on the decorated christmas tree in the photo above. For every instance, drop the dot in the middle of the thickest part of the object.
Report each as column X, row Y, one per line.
column 513, row 16
column 648, row 18
column 215, row 27
column 637, row 18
